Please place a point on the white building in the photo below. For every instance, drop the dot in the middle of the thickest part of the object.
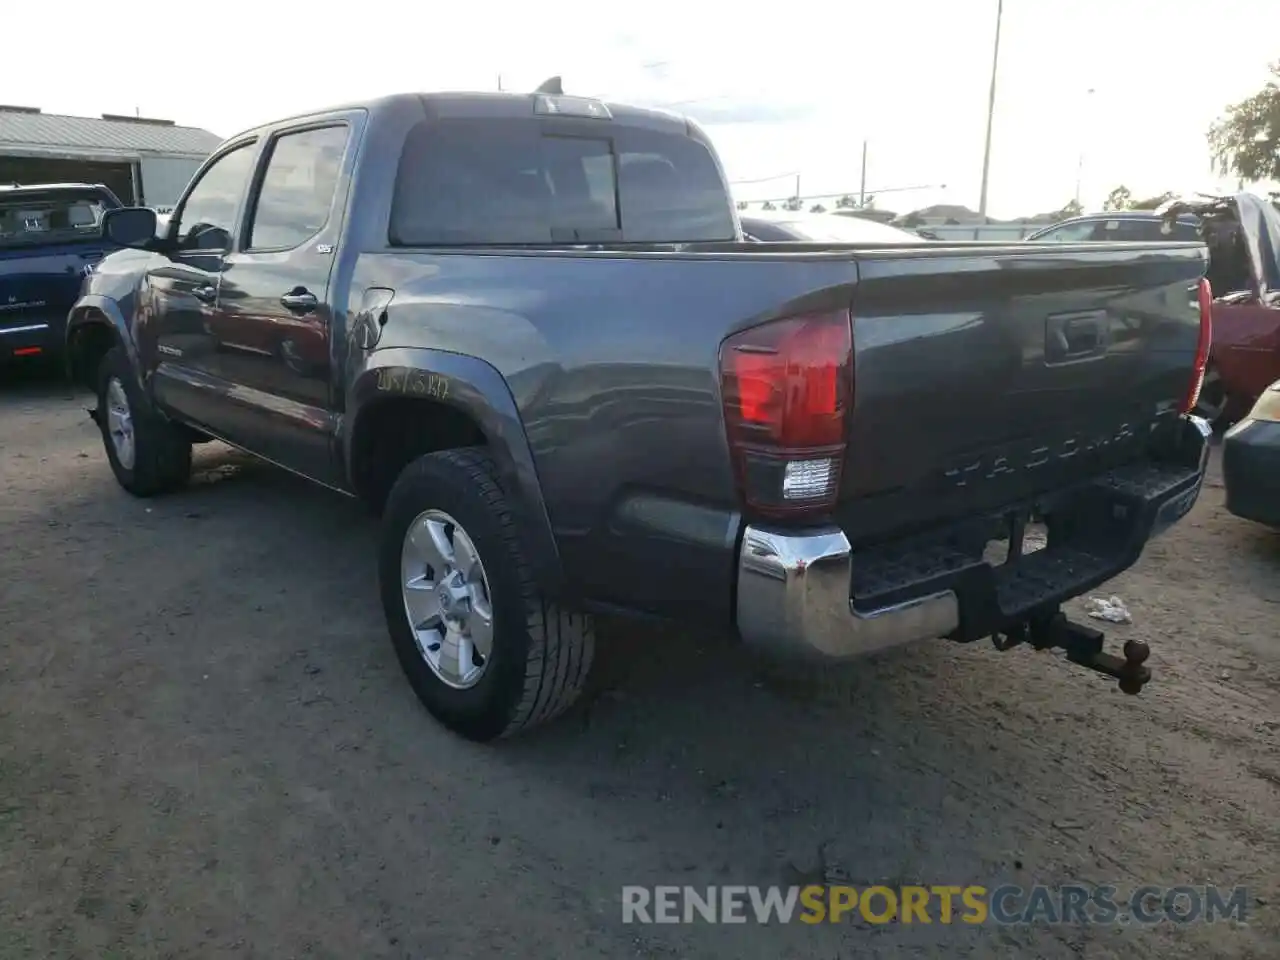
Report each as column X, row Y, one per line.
column 143, row 161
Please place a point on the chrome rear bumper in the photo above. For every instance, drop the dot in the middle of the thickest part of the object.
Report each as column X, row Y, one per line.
column 793, row 600
column 795, row 587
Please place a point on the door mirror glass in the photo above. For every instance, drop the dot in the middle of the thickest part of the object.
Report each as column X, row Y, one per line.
column 130, row 227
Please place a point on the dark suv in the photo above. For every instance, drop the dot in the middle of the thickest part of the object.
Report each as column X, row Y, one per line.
column 1119, row 225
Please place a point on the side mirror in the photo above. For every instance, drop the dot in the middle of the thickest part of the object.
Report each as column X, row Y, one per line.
column 130, row 227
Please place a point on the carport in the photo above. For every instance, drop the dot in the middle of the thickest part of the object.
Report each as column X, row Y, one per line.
column 142, row 160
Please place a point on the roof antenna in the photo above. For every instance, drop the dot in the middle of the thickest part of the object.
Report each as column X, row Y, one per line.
column 552, row 86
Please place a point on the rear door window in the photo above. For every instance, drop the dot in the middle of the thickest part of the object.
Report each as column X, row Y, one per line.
column 297, row 189
column 469, row 181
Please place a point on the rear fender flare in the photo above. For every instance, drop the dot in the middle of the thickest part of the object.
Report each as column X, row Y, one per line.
column 475, row 388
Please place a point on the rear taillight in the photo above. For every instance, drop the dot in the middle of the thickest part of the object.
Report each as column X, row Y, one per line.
column 788, row 388
column 1205, row 340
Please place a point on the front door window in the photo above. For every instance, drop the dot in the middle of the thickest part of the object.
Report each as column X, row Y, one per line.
column 206, row 219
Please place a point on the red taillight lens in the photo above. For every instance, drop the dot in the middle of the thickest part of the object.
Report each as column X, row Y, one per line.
column 1203, row 343
column 787, row 389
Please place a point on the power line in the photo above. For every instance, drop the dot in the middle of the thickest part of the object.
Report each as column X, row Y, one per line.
column 848, row 193
column 779, row 176
column 690, row 103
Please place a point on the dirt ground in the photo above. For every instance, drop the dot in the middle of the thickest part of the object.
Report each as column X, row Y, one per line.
column 207, row 750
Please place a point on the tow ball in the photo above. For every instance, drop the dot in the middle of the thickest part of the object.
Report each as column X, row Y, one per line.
column 1083, row 646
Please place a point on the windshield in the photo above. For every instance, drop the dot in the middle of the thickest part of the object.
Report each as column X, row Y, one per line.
column 52, row 217
column 833, row 229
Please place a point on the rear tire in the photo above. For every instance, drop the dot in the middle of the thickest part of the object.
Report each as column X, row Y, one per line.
column 148, row 454
column 538, row 655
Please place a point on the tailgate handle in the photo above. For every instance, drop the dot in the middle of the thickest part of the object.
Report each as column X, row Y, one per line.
column 1075, row 336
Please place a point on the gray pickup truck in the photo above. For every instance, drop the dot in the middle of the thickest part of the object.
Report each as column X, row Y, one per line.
column 526, row 329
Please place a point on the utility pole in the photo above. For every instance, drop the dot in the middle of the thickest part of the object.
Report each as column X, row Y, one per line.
column 862, row 188
column 1084, row 134
column 991, row 112
column 499, row 82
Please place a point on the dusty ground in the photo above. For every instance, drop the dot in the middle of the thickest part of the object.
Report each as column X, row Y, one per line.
column 207, row 750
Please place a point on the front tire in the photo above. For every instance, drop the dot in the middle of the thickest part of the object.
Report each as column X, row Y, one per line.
column 484, row 651
column 148, row 454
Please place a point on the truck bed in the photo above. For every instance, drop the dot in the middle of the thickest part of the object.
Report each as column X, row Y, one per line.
column 614, row 367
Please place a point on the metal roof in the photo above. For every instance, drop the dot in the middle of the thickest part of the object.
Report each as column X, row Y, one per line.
column 48, row 133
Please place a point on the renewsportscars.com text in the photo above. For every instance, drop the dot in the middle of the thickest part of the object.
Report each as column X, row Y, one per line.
column 943, row 904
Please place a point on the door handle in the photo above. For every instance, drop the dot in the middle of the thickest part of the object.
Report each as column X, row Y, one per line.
column 205, row 293
column 300, row 299
column 1075, row 336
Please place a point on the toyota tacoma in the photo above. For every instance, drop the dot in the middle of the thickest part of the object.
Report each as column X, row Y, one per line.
column 528, row 332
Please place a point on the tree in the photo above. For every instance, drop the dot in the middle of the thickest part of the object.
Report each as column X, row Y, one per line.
column 793, row 204
column 768, row 205
column 1118, row 199
column 742, row 204
column 817, row 208
column 848, row 200
column 1072, row 209
column 1246, row 139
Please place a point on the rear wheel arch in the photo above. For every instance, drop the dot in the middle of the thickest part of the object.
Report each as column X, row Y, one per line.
column 472, row 407
column 391, row 432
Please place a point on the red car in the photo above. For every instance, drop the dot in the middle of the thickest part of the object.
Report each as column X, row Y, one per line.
column 1243, row 236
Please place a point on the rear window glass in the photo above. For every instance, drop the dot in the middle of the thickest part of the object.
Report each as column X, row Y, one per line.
column 464, row 181
column 50, row 217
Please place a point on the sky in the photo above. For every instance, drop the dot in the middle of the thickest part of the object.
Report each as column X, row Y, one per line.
column 1109, row 92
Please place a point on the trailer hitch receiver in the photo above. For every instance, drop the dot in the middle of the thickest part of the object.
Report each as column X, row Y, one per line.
column 1084, row 646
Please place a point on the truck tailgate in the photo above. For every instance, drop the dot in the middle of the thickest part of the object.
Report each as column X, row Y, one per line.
column 986, row 377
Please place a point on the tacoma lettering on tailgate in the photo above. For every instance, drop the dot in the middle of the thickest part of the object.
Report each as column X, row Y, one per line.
column 1015, row 458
